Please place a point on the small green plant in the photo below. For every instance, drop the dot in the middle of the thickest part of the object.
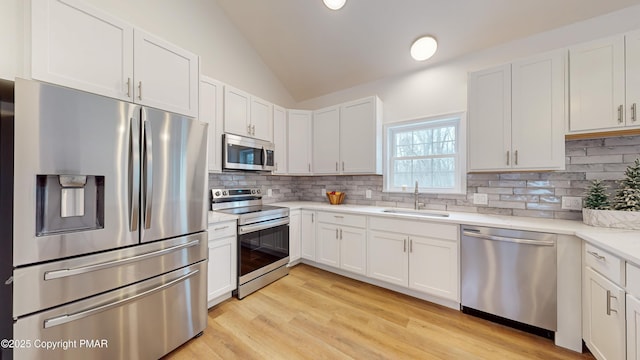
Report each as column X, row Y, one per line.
column 627, row 197
column 596, row 196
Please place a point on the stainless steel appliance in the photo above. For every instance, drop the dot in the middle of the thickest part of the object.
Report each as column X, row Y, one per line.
column 263, row 237
column 109, row 239
column 511, row 274
column 243, row 153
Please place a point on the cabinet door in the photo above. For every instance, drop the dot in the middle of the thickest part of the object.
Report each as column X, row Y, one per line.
column 76, row 45
column 633, row 328
column 211, row 97
column 326, row 140
column 308, row 235
column 387, row 257
column 261, row 119
column 361, row 119
column 632, row 71
column 433, row 267
column 299, row 144
column 280, row 139
column 294, row 236
column 490, row 119
column 237, row 105
column 222, row 273
column 353, row 249
column 328, row 244
column 603, row 323
column 537, row 120
column 166, row 76
column 596, row 85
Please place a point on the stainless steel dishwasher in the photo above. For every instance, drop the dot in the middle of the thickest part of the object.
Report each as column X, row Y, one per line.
column 510, row 274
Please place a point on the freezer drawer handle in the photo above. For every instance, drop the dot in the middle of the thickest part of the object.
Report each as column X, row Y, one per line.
column 505, row 239
column 86, row 313
column 56, row 274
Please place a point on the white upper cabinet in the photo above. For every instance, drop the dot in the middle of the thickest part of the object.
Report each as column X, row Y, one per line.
column 299, row 142
column 516, row 115
column 326, row 135
column 280, row 139
column 76, row 45
column 247, row 115
column 211, row 95
column 166, row 77
column 596, row 85
column 361, row 120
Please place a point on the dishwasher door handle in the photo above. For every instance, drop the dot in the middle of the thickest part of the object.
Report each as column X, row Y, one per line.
column 508, row 239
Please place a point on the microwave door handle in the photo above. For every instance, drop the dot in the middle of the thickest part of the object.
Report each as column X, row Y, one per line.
column 134, row 171
column 148, row 174
column 263, row 157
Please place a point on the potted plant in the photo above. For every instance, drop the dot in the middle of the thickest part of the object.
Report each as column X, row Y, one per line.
column 623, row 211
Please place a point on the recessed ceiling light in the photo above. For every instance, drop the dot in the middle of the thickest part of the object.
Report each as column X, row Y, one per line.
column 424, row 48
column 334, row 4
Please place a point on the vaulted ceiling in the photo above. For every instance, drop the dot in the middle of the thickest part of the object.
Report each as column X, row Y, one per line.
column 316, row 51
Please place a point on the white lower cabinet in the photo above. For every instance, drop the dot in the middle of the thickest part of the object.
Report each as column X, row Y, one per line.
column 633, row 328
column 341, row 241
column 222, row 268
column 308, row 235
column 294, row 236
column 603, row 325
column 397, row 254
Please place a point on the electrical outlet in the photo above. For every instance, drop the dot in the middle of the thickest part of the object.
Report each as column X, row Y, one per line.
column 480, row 199
column 572, row 203
column 367, row 194
column 269, row 193
column 324, row 192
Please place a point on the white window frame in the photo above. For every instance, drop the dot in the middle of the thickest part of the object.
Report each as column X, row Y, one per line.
column 459, row 120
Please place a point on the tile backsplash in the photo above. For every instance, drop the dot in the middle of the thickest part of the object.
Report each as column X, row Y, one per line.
column 533, row 194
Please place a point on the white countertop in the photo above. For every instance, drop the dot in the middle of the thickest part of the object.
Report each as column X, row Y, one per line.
column 623, row 243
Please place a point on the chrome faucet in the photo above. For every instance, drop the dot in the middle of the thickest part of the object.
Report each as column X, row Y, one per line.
column 416, row 204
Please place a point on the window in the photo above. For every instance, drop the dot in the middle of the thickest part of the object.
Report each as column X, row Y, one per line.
column 430, row 151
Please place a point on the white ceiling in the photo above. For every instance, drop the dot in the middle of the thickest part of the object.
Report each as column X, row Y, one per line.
column 316, row 51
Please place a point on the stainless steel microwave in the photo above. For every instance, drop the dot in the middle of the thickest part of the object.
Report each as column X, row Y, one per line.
column 243, row 153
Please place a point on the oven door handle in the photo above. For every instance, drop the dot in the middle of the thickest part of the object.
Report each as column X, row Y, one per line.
column 245, row 229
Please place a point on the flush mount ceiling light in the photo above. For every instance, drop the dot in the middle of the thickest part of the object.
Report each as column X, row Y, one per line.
column 334, row 4
column 424, row 48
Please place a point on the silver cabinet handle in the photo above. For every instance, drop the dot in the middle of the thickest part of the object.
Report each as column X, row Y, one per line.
column 249, row 129
column 340, row 234
column 253, row 130
column 336, row 233
column 49, row 323
column 507, row 157
column 309, row 166
column 505, row 239
column 634, row 112
column 221, row 228
column 620, row 108
column 338, row 216
column 336, row 166
column 134, row 176
column 147, row 168
column 57, row 274
column 128, row 87
column 140, row 90
column 404, row 247
column 515, row 157
column 596, row 255
column 410, row 245
column 343, row 166
column 312, row 217
column 609, row 309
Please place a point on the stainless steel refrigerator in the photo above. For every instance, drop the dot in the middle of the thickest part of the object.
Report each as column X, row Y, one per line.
column 109, row 230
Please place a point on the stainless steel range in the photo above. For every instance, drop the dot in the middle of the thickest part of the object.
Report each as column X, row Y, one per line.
column 263, row 237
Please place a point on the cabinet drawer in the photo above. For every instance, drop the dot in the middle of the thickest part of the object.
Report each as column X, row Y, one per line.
column 343, row 219
column 416, row 227
column 633, row 280
column 605, row 263
column 222, row 229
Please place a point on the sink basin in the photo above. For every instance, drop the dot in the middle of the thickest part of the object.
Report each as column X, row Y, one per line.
column 425, row 213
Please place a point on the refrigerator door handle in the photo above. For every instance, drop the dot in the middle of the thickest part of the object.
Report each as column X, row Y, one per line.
column 134, row 173
column 148, row 174
column 49, row 323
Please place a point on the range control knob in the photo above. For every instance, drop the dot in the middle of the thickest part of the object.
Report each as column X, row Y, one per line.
column 258, row 191
column 253, row 191
column 224, row 193
column 217, row 193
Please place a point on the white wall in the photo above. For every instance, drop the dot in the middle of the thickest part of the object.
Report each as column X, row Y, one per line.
column 442, row 88
column 199, row 26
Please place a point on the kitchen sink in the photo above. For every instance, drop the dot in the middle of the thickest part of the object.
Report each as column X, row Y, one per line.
column 425, row 213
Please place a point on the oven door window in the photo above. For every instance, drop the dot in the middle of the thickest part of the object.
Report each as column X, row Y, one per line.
column 261, row 248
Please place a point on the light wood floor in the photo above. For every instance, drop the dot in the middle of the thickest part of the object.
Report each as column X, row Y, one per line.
column 314, row 314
